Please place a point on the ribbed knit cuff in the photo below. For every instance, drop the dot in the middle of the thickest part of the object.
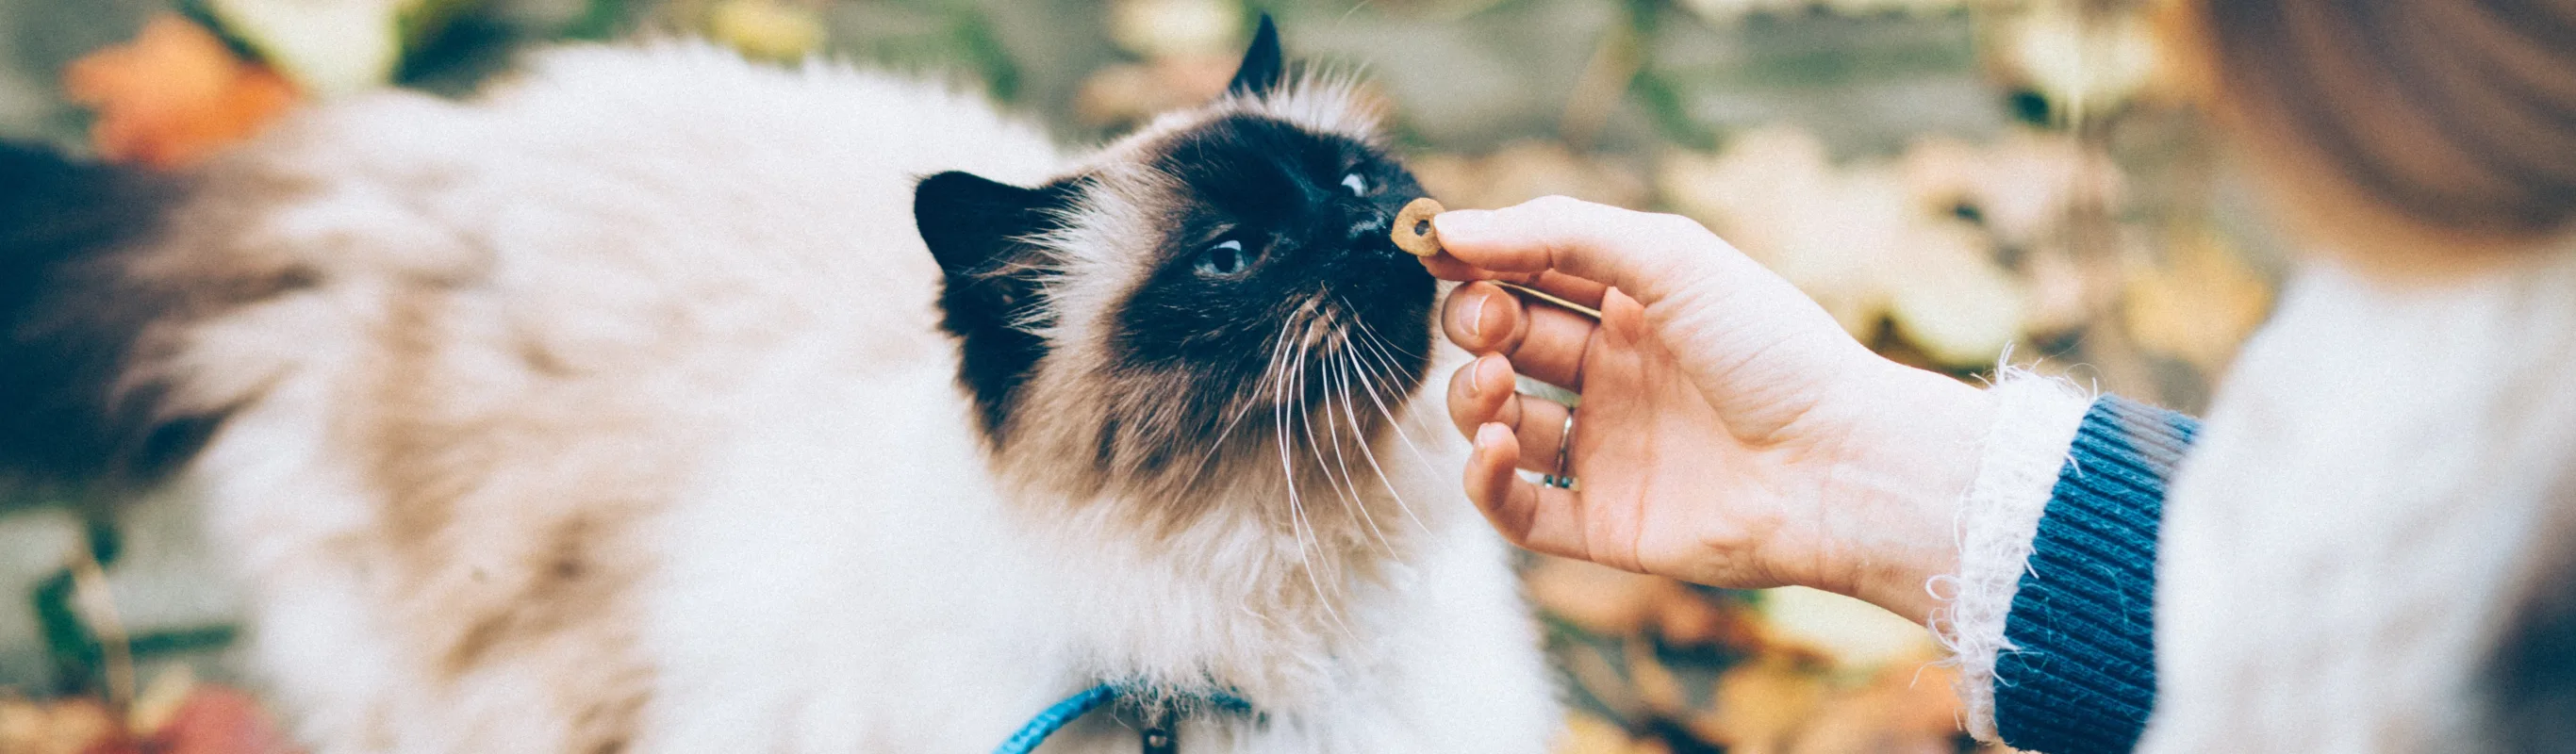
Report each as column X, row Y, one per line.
column 2080, row 672
column 2035, row 419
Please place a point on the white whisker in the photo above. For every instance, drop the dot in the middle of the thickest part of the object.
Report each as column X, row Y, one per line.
column 1394, row 371
column 1260, row 388
column 1370, row 453
column 1341, row 387
column 1296, row 507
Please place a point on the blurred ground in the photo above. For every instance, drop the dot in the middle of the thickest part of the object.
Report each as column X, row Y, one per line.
column 1954, row 180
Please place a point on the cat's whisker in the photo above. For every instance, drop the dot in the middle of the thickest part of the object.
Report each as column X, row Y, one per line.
column 1355, row 378
column 1305, row 398
column 1371, row 454
column 1394, row 424
column 1384, row 351
column 1313, row 450
column 1288, row 477
column 1296, row 506
column 1394, row 371
column 1356, row 498
column 1368, row 375
column 1261, row 388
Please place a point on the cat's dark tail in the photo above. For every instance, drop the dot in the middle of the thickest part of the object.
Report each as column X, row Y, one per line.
column 72, row 319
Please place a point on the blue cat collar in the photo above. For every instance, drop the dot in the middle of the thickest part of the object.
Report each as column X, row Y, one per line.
column 1063, row 713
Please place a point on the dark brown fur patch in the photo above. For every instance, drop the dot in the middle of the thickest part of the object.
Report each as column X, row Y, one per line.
column 2530, row 678
column 102, row 270
column 71, row 318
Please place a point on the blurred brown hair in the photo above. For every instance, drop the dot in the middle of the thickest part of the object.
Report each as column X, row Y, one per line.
column 2454, row 118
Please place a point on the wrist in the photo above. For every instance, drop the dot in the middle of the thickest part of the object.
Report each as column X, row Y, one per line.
column 1891, row 504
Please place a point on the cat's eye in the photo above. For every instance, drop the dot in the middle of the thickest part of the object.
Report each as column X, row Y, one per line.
column 1224, row 260
column 1357, row 185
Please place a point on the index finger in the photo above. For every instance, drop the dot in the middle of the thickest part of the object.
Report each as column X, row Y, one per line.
column 1581, row 292
column 1645, row 254
column 1573, row 290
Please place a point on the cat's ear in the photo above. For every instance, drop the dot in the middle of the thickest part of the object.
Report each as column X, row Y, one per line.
column 976, row 226
column 978, row 229
column 1262, row 67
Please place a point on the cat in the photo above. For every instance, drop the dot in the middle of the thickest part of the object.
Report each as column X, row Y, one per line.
column 658, row 401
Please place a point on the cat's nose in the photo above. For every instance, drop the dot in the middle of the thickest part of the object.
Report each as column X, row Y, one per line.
column 1371, row 226
column 1372, row 231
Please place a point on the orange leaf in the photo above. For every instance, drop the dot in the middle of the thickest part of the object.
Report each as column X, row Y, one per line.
column 1597, row 598
column 174, row 95
column 219, row 720
column 75, row 726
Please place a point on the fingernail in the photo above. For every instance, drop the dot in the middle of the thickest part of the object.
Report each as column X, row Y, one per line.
column 1488, row 369
column 1491, row 318
column 1492, row 434
column 1469, row 221
column 1473, row 314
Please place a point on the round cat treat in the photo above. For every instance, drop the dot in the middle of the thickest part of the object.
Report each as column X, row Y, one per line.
column 1413, row 232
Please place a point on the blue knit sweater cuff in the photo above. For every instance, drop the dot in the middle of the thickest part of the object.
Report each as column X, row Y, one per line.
column 2081, row 674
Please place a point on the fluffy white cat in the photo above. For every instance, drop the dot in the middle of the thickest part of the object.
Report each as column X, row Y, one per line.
column 626, row 408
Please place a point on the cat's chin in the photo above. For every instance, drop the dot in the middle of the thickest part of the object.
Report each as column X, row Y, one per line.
column 1326, row 464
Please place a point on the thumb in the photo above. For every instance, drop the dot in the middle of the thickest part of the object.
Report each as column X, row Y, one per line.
column 1644, row 254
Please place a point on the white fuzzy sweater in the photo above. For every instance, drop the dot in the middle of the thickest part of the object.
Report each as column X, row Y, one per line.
column 2346, row 539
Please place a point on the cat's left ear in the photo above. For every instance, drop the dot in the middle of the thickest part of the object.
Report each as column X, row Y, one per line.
column 1262, row 67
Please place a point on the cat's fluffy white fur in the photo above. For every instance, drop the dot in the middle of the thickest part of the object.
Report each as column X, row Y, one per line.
column 610, row 415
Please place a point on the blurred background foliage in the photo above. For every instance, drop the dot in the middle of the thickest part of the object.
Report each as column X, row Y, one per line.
column 1956, row 181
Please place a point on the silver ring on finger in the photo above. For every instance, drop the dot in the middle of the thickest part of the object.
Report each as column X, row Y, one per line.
column 1564, row 453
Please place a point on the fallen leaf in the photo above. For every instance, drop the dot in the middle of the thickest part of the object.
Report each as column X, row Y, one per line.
column 217, row 720
column 1597, row 598
column 1162, row 28
column 2089, row 61
column 161, row 699
column 1775, row 194
column 1688, row 619
column 1662, row 692
column 2061, row 296
column 1589, row 734
column 1948, row 297
column 22, row 724
column 2199, row 306
column 1907, row 708
column 2022, row 187
column 1526, row 170
column 1761, row 702
column 766, row 29
column 1130, row 93
column 76, row 726
column 174, row 95
column 1856, row 635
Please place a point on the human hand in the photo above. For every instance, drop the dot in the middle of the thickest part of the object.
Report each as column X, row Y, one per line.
column 1729, row 433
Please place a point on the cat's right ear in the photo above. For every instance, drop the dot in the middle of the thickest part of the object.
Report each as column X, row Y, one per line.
column 979, row 230
column 977, row 224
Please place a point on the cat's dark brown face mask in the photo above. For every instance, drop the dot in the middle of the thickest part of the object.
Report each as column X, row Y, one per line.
column 1272, row 309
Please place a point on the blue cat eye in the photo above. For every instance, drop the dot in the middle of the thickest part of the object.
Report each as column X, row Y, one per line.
column 1224, row 260
column 1357, row 185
